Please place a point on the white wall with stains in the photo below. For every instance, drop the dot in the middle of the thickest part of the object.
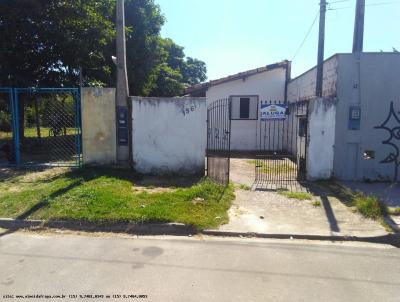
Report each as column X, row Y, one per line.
column 169, row 135
column 268, row 86
column 321, row 144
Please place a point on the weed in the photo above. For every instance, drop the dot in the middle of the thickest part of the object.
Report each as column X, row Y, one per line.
column 244, row 187
column 316, row 203
column 369, row 206
column 296, row 195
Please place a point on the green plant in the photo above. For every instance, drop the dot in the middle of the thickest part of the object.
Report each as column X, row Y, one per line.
column 244, row 187
column 369, row 206
column 296, row 195
column 316, row 203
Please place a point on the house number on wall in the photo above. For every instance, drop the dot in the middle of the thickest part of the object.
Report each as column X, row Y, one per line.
column 187, row 109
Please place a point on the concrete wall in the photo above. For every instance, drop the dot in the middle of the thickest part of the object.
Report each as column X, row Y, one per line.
column 303, row 87
column 321, row 141
column 98, row 126
column 372, row 82
column 269, row 85
column 169, row 135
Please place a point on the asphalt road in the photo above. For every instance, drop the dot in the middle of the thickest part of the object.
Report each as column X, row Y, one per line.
column 194, row 269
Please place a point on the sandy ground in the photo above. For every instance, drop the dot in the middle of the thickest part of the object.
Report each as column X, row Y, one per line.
column 266, row 211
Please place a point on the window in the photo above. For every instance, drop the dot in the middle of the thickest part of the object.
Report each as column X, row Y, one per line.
column 244, row 108
column 303, row 126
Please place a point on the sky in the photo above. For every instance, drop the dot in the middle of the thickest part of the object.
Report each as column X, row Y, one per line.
column 237, row 35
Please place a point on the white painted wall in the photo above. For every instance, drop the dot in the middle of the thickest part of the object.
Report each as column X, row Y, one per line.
column 303, row 87
column 169, row 135
column 371, row 81
column 320, row 155
column 269, row 85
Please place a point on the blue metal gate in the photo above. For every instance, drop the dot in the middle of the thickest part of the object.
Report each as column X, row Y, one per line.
column 40, row 127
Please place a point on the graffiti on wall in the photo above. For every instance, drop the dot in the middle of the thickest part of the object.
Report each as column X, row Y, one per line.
column 392, row 125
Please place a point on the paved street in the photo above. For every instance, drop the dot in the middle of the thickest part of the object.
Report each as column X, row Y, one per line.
column 196, row 269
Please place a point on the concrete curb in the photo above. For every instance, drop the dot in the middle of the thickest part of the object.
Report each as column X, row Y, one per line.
column 178, row 229
column 121, row 227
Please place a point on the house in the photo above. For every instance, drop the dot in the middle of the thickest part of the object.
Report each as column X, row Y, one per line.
column 246, row 91
column 351, row 133
column 354, row 129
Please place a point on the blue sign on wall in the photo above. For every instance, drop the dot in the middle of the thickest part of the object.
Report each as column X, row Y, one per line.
column 273, row 112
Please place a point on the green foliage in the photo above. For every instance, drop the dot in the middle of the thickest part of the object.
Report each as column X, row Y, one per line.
column 369, row 206
column 244, row 187
column 316, row 203
column 100, row 194
column 5, row 121
column 296, row 195
column 44, row 42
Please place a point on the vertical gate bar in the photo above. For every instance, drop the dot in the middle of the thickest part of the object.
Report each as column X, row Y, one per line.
column 17, row 138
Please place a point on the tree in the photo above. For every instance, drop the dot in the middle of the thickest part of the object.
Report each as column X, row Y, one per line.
column 44, row 42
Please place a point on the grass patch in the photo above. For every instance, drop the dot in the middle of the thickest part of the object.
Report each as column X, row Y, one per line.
column 316, row 203
column 394, row 211
column 296, row 195
column 369, row 206
column 99, row 194
column 274, row 168
column 31, row 132
column 244, row 187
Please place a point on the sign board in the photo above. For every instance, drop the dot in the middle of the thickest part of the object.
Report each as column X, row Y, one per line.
column 273, row 112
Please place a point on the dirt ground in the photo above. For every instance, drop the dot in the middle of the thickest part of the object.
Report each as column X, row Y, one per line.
column 264, row 210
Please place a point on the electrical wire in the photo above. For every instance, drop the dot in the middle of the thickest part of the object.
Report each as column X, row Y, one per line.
column 305, row 38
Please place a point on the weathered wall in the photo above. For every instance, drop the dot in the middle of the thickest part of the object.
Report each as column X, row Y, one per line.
column 321, row 129
column 169, row 135
column 269, row 85
column 303, row 87
column 98, row 126
column 372, row 82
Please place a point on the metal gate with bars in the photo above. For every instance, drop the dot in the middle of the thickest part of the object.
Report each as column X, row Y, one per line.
column 40, row 126
column 282, row 146
column 218, row 140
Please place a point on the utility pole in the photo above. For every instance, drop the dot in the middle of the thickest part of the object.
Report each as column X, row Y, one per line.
column 321, row 48
column 358, row 38
column 122, row 93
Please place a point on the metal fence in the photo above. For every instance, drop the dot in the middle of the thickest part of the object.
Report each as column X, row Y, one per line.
column 40, row 126
column 218, row 140
column 282, row 146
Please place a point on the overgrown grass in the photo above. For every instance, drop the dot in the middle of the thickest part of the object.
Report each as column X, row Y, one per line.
column 296, row 195
column 275, row 168
column 368, row 206
column 99, row 195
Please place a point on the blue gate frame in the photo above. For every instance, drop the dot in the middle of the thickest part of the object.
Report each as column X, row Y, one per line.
column 14, row 94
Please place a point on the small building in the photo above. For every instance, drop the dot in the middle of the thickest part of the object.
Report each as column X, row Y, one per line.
column 354, row 129
column 246, row 90
column 350, row 133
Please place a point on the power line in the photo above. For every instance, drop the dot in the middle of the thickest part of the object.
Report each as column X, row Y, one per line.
column 305, row 38
column 369, row 4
